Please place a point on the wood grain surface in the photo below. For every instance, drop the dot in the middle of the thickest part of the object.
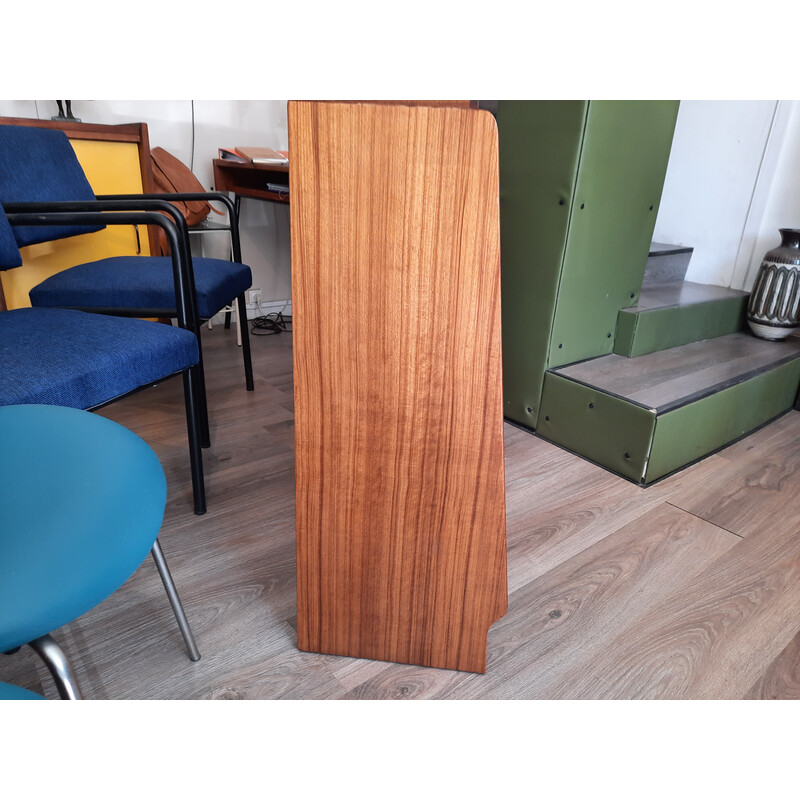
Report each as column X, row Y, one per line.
column 398, row 412
column 781, row 681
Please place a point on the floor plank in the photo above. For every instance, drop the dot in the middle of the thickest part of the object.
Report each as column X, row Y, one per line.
column 758, row 481
column 712, row 638
column 781, row 680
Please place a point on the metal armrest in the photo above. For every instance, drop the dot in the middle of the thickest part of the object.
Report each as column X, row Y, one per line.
column 121, row 203
column 185, row 297
column 207, row 196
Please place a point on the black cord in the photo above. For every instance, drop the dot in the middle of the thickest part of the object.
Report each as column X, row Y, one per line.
column 271, row 324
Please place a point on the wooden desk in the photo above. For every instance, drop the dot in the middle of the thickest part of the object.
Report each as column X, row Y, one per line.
column 250, row 180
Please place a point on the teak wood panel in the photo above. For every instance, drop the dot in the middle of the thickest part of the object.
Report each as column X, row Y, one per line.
column 397, row 365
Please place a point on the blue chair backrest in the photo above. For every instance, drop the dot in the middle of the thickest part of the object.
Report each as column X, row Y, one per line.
column 9, row 252
column 39, row 165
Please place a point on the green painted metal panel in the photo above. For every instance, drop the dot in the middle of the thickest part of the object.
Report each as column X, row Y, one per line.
column 620, row 178
column 605, row 429
column 695, row 430
column 644, row 332
column 625, row 334
column 540, row 144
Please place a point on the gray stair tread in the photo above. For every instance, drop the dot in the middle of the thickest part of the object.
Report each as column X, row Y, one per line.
column 670, row 378
column 659, row 249
column 680, row 293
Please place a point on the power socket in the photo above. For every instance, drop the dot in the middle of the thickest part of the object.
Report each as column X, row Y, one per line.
column 255, row 297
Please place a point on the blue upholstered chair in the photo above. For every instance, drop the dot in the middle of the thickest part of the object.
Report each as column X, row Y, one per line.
column 81, row 504
column 40, row 173
column 81, row 360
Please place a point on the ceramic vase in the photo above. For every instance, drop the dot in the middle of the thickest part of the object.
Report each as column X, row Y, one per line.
column 773, row 311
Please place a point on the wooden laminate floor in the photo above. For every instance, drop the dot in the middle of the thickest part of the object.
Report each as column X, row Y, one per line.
column 687, row 589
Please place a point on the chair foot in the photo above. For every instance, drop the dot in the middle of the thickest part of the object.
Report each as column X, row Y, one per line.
column 56, row 661
column 190, row 382
column 175, row 601
column 248, row 364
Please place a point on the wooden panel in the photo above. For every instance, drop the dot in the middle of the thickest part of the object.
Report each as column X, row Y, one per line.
column 399, row 442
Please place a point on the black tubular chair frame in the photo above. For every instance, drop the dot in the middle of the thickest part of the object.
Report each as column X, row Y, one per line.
column 236, row 253
column 191, row 322
column 160, row 202
column 186, row 303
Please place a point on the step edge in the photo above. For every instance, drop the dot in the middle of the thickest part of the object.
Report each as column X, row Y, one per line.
column 639, row 310
column 687, row 399
column 727, row 384
column 671, row 250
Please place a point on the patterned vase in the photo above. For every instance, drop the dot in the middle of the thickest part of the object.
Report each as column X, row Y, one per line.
column 773, row 311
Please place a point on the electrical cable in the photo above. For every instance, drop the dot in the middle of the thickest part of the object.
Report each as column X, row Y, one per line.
column 270, row 324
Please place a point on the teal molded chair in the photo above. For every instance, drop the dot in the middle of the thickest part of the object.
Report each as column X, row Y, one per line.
column 81, row 504
column 10, row 692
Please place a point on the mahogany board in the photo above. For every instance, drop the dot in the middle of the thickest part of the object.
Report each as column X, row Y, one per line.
column 401, row 550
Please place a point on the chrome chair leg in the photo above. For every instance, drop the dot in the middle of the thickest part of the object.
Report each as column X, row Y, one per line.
column 175, row 601
column 56, row 661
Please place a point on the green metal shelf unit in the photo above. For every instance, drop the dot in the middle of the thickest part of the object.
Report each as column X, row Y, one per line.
column 580, row 186
column 640, row 389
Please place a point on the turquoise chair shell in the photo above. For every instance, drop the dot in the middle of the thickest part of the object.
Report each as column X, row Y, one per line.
column 59, row 554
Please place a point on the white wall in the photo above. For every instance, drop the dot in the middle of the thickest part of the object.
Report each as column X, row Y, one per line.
column 264, row 226
column 731, row 182
column 782, row 202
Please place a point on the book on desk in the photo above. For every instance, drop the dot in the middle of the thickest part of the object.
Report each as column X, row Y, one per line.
column 254, row 155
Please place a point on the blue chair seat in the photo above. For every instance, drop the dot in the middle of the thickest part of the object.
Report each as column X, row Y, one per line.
column 133, row 282
column 10, row 692
column 81, row 500
column 71, row 358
